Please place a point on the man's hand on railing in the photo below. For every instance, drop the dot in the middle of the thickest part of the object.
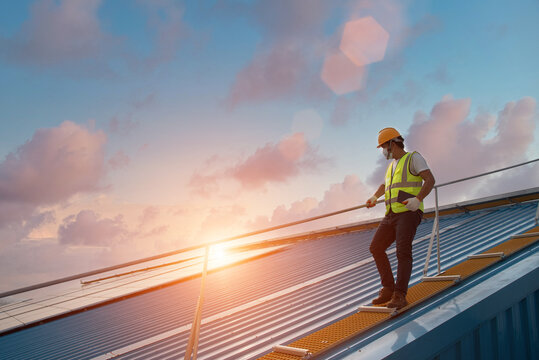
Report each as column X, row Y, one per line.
column 371, row 202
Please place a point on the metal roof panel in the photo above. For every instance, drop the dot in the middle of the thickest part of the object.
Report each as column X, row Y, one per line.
column 254, row 305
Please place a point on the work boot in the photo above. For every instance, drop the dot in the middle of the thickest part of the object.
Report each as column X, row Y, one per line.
column 384, row 296
column 398, row 300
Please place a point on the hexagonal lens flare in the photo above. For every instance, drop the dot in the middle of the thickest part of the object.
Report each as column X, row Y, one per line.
column 364, row 41
column 341, row 75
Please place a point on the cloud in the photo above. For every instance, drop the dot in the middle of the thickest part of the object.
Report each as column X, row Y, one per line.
column 122, row 126
column 17, row 221
column 149, row 215
column 155, row 232
column 55, row 164
column 60, row 33
column 205, row 184
column 167, row 28
column 277, row 162
column 221, row 222
column 14, row 212
column 270, row 75
column 349, row 193
column 88, row 229
column 343, row 195
column 292, row 32
column 272, row 163
column 282, row 214
column 456, row 147
column 145, row 102
column 285, row 19
column 118, row 160
column 296, row 57
column 68, row 35
column 280, row 20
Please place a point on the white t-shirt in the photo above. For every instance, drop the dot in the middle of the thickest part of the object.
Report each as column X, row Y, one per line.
column 417, row 164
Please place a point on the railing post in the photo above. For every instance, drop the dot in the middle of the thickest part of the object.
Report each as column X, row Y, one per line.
column 431, row 242
column 192, row 345
column 437, row 227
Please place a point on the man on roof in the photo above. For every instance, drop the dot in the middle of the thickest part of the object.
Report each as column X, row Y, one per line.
column 408, row 181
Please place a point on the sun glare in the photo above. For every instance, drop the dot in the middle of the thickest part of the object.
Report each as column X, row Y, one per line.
column 219, row 255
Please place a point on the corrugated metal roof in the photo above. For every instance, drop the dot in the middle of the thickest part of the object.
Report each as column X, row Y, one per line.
column 61, row 299
column 288, row 294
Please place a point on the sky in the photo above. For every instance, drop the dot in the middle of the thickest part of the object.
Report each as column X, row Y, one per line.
column 132, row 128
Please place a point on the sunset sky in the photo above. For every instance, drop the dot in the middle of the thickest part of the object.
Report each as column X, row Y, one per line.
column 131, row 128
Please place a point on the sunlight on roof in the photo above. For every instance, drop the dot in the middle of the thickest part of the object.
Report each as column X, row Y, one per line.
column 220, row 256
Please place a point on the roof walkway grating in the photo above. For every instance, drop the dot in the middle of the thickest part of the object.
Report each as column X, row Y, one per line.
column 335, row 334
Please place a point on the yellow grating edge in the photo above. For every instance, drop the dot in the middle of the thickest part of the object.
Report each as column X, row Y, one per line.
column 513, row 245
column 353, row 325
column 470, row 267
column 424, row 290
column 279, row 356
column 339, row 331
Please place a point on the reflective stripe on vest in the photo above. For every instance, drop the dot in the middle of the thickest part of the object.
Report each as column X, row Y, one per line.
column 403, row 180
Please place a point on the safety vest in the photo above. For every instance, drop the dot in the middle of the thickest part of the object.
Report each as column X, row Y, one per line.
column 403, row 180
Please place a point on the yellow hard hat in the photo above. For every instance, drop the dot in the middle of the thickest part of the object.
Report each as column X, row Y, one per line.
column 387, row 134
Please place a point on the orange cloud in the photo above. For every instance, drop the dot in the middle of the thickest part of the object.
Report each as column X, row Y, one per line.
column 55, row 164
column 118, row 160
column 87, row 228
column 277, row 162
column 349, row 193
column 272, row 163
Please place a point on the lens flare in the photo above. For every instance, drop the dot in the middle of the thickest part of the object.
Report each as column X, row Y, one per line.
column 219, row 256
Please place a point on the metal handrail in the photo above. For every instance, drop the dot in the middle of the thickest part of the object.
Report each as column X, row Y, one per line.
column 175, row 252
column 436, row 226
